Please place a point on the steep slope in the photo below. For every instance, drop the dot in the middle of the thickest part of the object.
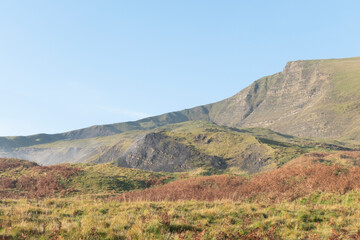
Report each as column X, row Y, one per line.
column 317, row 98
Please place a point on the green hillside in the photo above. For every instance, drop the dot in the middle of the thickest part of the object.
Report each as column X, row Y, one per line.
column 314, row 99
column 200, row 144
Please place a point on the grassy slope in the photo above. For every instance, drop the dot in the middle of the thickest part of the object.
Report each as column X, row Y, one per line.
column 288, row 203
column 211, row 139
column 235, row 144
column 346, row 91
column 20, row 178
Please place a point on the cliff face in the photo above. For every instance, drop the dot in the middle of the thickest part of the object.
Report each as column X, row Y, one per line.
column 308, row 99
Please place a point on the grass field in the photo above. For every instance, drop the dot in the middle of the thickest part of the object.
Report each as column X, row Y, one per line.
column 320, row 216
column 315, row 196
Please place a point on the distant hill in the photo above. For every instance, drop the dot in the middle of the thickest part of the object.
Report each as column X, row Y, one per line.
column 314, row 99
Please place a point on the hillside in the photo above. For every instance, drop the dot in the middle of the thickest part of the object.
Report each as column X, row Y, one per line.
column 336, row 171
column 315, row 99
column 313, row 173
column 21, row 178
column 182, row 147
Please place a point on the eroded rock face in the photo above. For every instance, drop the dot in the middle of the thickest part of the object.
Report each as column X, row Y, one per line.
column 254, row 159
column 278, row 100
column 292, row 91
column 156, row 152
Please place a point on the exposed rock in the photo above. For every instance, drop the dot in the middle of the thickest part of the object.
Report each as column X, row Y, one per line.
column 157, row 152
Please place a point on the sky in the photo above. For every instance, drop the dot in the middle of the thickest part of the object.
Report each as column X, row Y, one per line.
column 68, row 64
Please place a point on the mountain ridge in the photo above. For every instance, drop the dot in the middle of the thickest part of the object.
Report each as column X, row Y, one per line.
column 313, row 78
column 318, row 99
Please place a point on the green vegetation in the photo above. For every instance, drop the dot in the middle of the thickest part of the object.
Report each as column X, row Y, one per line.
column 19, row 178
column 243, row 146
column 346, row 73
column 315, row 196
column 99, row 178
column 319, row 216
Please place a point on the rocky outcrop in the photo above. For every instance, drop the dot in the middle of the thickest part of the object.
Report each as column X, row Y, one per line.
column 156, row 152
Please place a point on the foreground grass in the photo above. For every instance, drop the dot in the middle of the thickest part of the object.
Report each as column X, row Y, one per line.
column 316, row 196
column 319, row 216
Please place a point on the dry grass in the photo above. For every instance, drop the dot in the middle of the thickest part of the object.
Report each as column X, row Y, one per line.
column 330, row 216
column 287, row 183
column 42, row 182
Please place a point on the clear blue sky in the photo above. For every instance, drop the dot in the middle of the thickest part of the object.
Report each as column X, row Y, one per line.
column 70, row 64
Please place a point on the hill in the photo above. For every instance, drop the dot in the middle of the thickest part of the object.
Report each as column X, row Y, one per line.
column 314, row 99
column 21, row 178
column 314, row 172
column 182, row 147
column 328, row 88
